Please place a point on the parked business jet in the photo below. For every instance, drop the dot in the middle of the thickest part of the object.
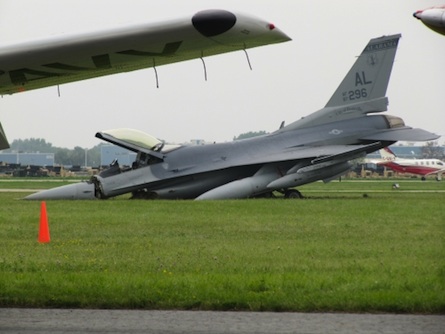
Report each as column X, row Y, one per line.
column 422, row 167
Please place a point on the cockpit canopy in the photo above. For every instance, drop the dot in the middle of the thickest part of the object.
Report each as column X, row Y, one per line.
column 132, row 136
column 136, row 141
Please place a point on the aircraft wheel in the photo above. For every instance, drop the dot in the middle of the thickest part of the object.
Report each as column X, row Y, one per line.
column 100, row 194
column 293, row 193
column 423, row 178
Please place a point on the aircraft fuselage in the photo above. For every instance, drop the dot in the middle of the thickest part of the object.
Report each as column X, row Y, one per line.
column 190, row 171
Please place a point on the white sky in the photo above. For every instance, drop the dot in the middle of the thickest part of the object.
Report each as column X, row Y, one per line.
column 288, row 80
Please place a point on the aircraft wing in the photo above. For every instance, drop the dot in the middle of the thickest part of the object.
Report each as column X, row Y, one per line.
column 313, row 155
column 59, row 60
column 439, row 171
column 318, row 154
column 403, row 133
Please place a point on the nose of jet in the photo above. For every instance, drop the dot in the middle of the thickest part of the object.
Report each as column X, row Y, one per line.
column 82, row 190
column 418, row 14
column 434, row 17
column 222, row 26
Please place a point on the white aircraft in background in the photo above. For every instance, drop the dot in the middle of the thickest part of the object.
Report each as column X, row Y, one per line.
column 422, row 167
column 68, row 58
column 433, row 18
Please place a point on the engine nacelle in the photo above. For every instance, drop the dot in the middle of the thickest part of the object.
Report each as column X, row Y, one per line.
column 244, row 188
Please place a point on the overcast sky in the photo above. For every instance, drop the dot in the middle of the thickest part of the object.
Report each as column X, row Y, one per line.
column 288, row 80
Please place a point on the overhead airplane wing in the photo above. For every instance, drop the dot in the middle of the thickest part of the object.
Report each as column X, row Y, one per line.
column 59, row 60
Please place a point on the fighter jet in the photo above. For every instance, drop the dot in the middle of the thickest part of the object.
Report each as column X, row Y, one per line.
column 433, row 18
column 67, row 58
column 319, row 146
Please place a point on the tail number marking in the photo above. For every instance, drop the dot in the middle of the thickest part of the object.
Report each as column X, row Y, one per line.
column 357, row 94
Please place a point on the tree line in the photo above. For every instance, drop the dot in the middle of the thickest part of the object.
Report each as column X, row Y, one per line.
column 62, row 156
column 75, row 156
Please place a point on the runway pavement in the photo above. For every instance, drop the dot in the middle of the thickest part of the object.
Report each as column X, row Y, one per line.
column 173, row 322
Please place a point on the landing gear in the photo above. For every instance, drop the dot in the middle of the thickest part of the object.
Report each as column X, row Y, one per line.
column 143, row 194
column 268, row 194
column 292, row 193
column 288, row 193
column 98, row 189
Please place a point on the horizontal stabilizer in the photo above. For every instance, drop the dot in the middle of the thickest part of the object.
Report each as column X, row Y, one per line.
column 404, row 134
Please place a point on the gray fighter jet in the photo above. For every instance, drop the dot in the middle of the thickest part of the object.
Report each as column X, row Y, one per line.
column 317, row 147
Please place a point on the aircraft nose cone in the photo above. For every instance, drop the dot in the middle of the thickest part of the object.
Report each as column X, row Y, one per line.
column 83, row 190
column 227, row 28
column 418, row 14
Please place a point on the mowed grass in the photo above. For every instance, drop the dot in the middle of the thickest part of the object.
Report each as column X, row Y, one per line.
column 346, row 247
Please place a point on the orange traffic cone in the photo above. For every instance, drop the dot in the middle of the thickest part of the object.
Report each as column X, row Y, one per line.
column 44, row 228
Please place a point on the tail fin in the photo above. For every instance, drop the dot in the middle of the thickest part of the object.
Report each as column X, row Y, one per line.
column 387, row 155
column 368, row 78
column 363, row 89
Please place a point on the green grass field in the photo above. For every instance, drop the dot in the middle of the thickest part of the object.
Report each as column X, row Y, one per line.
column 346, row 247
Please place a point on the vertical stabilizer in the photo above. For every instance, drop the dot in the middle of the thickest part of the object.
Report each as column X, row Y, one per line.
column 363, row 89
column 387, row 155
column 369, row 76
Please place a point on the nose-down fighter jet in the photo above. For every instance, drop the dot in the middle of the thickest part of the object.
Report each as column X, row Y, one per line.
column 317, row 147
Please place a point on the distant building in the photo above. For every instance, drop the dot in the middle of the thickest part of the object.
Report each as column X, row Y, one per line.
column 25, row 159
column 197, row 142
column 109, row 153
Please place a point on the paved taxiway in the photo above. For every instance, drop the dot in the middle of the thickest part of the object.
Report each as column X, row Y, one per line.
column 172, row 322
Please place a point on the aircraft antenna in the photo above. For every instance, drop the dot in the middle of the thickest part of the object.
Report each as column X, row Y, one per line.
column 58, row 90
column 156, row 73
column 247, row 56
column 204, row 64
